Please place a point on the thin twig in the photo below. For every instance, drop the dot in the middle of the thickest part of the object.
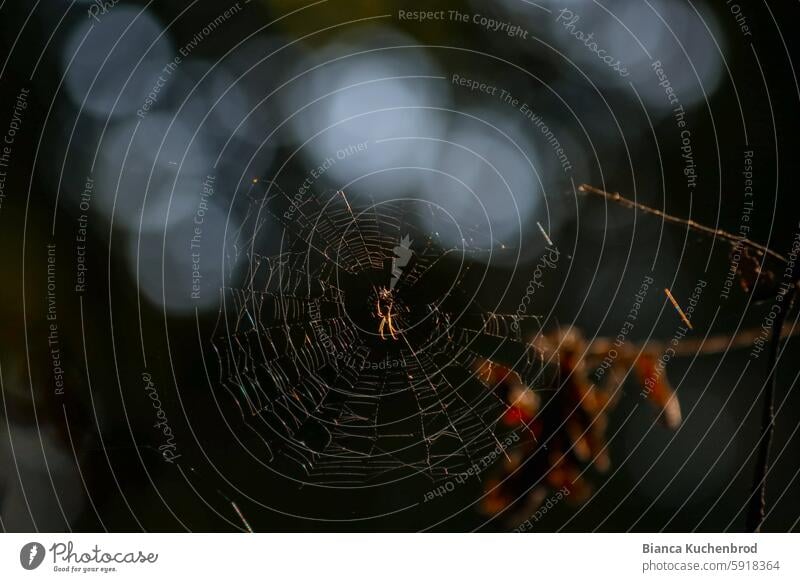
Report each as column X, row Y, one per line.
column 709, row 346
column 758, row 495
column 697, row 227
column 546, row 237
column 242, row 517
column 677, row 307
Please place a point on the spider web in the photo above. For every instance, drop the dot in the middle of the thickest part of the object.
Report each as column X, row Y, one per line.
column 300, row 353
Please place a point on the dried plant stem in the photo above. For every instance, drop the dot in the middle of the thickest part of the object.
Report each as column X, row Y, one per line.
column 757, row 503
column 697, row 227
column 715, row 344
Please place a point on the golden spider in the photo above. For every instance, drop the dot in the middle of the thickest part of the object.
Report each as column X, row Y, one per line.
column 384, row 306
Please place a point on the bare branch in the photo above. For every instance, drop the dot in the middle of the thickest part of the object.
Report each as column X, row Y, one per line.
column 695, row 226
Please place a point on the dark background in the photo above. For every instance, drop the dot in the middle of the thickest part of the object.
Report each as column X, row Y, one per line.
column 658, row 478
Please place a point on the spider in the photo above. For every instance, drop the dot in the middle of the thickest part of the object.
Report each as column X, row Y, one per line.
column 383, row 307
